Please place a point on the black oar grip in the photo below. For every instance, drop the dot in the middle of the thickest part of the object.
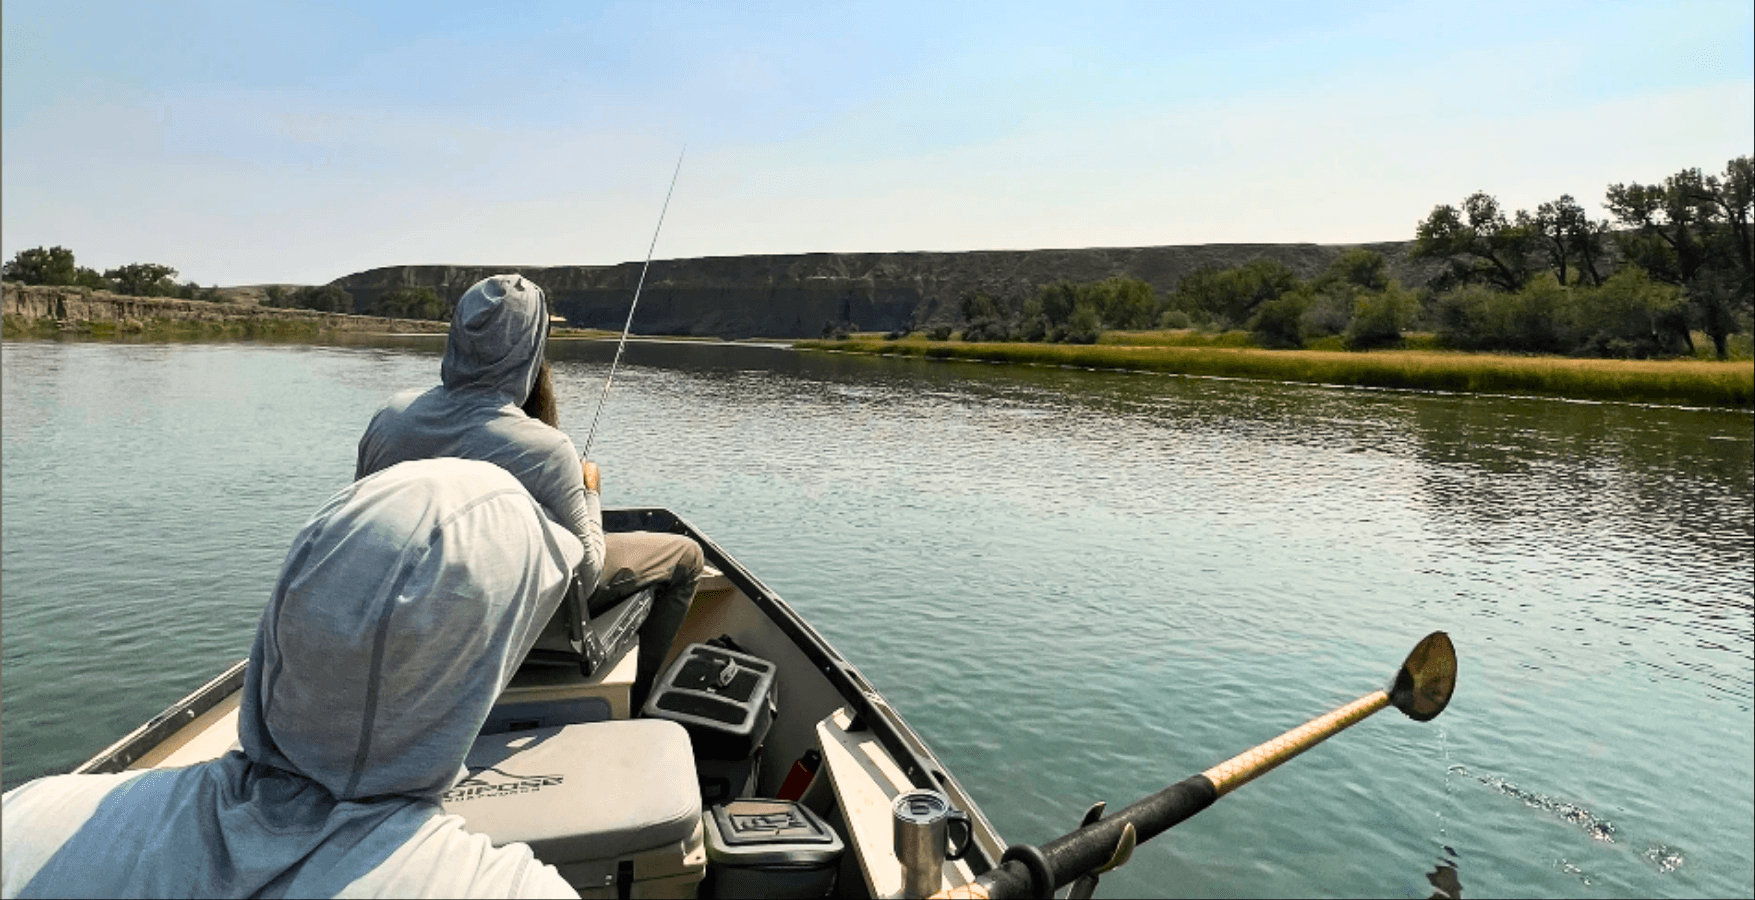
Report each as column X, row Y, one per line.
column 1090, row 847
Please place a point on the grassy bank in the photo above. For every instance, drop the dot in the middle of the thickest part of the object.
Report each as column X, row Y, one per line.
column 1686, row 382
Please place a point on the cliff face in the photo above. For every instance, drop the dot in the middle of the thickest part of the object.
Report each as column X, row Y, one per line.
column 795, row 295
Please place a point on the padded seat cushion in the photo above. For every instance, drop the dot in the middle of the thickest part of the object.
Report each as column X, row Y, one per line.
column 579, row 793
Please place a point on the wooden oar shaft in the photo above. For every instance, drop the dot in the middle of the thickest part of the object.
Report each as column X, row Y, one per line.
column 1239, row 770
column 1090, row 847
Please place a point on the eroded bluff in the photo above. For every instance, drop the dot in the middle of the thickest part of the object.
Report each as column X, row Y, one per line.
column 791, row 296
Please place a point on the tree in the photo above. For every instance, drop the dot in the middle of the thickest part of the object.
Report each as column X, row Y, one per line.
column 327, row 298
column 1693, row 231
column 1482, row 245
column 144, row 280
column 1629, row 315
column 1566, row 233
column 410, row 303
column 976, row 305
column 42, row 265
column 1279, row 323
column 89, row 278
column 1355, row 266
column 1379, row 317
column 1126, row 302
column 1232, row 295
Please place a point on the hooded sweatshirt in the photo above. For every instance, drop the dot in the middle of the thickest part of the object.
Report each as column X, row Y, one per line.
column 400, row 614
column 491, row 361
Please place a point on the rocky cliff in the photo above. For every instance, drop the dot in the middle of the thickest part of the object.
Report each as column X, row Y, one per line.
column 795, row 295
column 70, row 306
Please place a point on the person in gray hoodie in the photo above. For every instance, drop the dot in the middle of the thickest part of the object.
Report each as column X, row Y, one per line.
column 400, row 614
column 493, row 360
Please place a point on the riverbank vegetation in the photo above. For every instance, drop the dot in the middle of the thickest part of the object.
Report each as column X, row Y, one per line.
column 56, row 266
column 1677, row 259
column 156, row 329
column 1692, row 382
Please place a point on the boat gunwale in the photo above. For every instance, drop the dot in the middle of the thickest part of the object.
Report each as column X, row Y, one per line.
column 137, row 743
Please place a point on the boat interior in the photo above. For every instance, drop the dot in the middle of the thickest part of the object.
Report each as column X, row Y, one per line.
column 763, row 764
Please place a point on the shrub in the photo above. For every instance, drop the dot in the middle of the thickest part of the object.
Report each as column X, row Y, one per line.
column 1378, row 318
column 410, row 303
column 1083, row 326
column 327, row 298
column 1279, row 323
column 1629, row 316
column 987, row 329
column 1173, row 318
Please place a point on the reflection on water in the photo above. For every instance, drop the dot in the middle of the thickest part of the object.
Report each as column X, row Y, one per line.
column 1076, row 585
column 1443, row 878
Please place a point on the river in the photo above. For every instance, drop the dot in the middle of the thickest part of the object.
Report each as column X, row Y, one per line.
column 1076, row 585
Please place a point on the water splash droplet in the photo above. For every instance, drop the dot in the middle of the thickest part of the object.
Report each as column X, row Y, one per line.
column 1663, row 857
column 1592, row 824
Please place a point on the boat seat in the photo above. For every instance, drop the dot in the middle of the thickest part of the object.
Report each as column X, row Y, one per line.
column 591, row 632
column 614, row 806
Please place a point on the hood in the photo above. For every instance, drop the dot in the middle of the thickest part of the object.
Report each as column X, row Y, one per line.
column 401, row 612
column 497, row 337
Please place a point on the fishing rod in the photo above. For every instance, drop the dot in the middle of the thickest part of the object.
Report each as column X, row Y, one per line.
column 1421, row 689
column 620, row 345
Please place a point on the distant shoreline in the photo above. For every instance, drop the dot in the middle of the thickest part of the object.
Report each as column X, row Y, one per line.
column 45, row 311
column 52, row 312
column 1679, row 382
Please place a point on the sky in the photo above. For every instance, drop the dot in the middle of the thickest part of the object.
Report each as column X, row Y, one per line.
column 251, row 143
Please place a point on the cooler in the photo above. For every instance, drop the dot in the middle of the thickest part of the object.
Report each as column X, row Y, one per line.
column 726, row 701
column 612, row 805
column 769, row 848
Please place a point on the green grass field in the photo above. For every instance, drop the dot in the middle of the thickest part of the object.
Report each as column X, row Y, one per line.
column 1690, row 382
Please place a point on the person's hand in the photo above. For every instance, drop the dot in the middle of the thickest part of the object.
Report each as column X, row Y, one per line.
column 592, row 479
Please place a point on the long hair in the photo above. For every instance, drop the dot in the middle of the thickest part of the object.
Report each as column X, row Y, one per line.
column 540, row 404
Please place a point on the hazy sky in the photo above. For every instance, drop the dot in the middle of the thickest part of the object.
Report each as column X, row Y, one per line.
column 298, row 142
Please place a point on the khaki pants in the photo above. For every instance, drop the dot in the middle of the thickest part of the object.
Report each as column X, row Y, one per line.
column 669, row 563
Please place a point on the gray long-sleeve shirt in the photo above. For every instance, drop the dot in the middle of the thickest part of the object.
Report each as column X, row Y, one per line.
column 491, row 360
column 401, row 612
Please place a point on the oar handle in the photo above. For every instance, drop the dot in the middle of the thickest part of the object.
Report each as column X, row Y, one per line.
column 1089, row 848
column 1245, row 767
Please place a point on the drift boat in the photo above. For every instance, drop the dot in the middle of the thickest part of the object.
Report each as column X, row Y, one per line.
column 797, row 777
column 848, row 752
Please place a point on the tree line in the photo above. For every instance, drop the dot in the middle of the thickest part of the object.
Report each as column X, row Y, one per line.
column 1675, row 257
column 55, row 266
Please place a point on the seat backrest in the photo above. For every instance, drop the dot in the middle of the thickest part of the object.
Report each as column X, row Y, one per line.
column 593, row 641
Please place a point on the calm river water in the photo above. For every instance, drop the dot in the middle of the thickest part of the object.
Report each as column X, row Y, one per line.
column 1076, row 585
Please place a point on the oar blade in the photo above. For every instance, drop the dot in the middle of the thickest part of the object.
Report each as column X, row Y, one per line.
column 1423, row 685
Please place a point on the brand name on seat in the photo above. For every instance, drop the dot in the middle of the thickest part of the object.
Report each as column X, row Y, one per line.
column 492, row 782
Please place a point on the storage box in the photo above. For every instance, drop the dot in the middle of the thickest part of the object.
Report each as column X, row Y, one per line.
column 725, row 780
column 769, row 848
column 724, row 698
column 612, row 805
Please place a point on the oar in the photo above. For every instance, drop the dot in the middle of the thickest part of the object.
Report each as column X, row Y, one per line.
column 1421, row 689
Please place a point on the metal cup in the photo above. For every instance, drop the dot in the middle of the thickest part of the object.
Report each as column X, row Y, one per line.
column 923, row 831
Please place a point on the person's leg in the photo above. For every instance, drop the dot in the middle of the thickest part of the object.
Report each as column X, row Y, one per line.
column 668, row 563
